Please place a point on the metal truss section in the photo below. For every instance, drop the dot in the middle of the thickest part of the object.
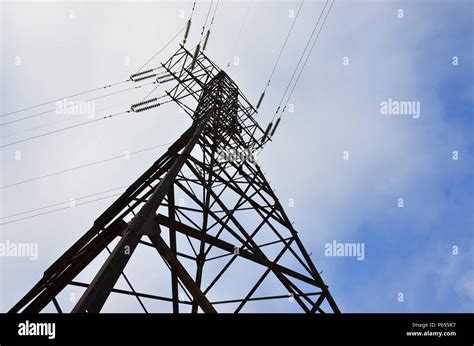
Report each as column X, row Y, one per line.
column 216, row 236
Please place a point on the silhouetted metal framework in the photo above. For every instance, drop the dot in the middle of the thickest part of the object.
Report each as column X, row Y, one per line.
column 229, row 247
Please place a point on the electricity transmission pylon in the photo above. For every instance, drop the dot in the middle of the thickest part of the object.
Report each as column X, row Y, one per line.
column 231, row 218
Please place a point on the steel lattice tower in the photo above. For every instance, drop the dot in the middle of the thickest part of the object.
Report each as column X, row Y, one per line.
column 233, row 217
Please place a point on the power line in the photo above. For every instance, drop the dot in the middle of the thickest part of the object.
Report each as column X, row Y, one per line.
column 82, row 166
column 63, row 202
column 207, row 17
column 285, row 42
column 41, row 126
column 80, row 115
column 163, row 48
column 104, row 87
column 214, row 14
column 300, row 59
column 198, row 47
column 307, row 57
column 240, row 33
column 62, row 98
column 73, row 126
column 270, row 131
column 58, row 121
column 59, row 203
column 91, row 99
column 210, row 26
column 67, row 119
column 63, row 129
column 151, row 92
column 280, row 54
column 58, row 209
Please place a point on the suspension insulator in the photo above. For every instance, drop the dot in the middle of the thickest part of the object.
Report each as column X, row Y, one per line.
column 276, row 125
column 196, row 53
column 265, row 135
column 205, row 40
column 144, row 77
column 143, row 103
column 186, row 33
column 146, row 108
column 140, row 74
column 260, row 100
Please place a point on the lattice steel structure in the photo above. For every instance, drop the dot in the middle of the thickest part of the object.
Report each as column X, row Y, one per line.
column 228, row 248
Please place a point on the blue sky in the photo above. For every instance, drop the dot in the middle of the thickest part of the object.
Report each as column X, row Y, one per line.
column 407, row 250
column 417, row 253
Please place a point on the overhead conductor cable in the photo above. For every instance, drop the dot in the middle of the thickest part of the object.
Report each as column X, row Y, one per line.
column 198, row 47
column 300, row 59
column 303, row 66
column 239, row 34
column 307, row 57
column 279, row 55
column 206, row 39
